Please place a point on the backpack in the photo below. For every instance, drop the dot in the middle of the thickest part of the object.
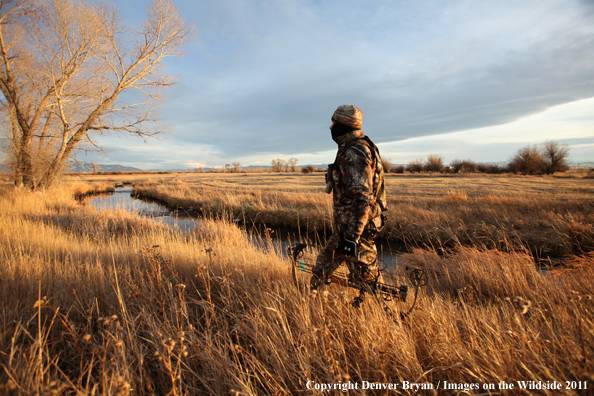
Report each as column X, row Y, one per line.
column 379, row 192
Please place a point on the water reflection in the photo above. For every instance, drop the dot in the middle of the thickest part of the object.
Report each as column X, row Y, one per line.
column 122, row 199
column 271, row 239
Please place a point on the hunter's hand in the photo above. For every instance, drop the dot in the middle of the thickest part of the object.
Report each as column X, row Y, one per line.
column 347, row 247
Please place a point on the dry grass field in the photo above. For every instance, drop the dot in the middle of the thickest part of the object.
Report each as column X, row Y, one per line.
column 109, row 303
column 549, row 216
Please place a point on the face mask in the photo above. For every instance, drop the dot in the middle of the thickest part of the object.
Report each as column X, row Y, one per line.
column 339, row 130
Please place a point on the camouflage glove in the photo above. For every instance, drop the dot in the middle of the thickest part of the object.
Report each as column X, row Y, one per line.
column 329, row 179
column 328, row 175
column 347, row 246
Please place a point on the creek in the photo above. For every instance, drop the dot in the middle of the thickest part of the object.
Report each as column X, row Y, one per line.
column 281, row 238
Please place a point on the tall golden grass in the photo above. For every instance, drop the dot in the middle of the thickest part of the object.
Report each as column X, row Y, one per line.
column 549, row 216
column 90, row 305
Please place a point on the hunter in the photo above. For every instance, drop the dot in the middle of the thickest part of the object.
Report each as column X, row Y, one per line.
column 356, row 181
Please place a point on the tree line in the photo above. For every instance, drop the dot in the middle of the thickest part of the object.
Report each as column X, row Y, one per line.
column 548, row 158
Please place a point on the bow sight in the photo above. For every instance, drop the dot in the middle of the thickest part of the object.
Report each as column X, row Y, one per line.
column 384, row 289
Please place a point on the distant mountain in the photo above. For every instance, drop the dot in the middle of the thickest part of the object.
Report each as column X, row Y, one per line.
column 256, row 166
column 582, row 164
column 88, row 167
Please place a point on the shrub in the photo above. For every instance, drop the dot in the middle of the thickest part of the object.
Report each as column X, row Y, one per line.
column 415, row 166
column 468, row 166
column 488, row 168
column 386, row 164
column 308, row 169
column 456, row 165
column 527, row 160
column 434, row 163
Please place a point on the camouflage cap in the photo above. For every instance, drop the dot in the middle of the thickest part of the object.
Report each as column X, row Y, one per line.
column 349, row 115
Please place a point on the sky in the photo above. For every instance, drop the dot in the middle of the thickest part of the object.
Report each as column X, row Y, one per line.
column 463, row 79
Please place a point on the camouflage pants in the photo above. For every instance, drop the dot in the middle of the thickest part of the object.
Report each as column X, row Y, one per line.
column 363, row 267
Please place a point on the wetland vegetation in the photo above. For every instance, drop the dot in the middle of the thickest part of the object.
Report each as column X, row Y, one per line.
column 106, row 302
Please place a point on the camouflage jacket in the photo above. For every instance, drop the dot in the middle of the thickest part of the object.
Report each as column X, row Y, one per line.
column 358, row 191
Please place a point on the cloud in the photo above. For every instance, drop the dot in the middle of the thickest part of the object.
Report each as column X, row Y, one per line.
column 281, row 88
column 263, row 78
column 571, row 124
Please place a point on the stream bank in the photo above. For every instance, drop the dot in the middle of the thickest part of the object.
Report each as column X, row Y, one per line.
column 122, row 198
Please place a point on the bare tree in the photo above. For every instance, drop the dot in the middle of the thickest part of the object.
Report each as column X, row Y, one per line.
column 292, row 164
column 96, row 167
column 236, row 167
column 554, row 157
column 278, row 164
column 64, row 67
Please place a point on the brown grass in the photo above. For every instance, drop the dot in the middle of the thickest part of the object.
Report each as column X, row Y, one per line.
column 549, row 216
column 90, row 306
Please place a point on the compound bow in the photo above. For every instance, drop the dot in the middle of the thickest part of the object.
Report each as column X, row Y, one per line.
column 384, row 292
